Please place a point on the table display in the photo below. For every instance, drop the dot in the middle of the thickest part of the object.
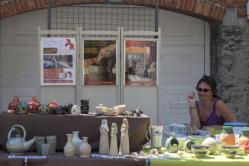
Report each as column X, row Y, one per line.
column 60, row 125
column 190, row 160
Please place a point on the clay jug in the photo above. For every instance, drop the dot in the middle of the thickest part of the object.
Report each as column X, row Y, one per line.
column 76, row 142
column 69, row 149
column 104, row 139
column 85, row 148
column 244, row 137
column 227, row 137
column 114, row 143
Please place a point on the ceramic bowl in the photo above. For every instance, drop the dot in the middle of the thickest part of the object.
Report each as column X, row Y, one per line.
column 108, row 111
column 119, row 109
column 230, row 151
column 200, row 151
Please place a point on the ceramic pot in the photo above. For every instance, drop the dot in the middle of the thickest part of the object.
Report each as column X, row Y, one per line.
column 23, row 107
column 43, row 109
column 75, row 110
column 76, row 142
column 172, row 144
column 13, row 105
column 244, row 137
column 85, row 148
column 84, row 106
column 69, row 149
column 34, row 105
column 227, row 137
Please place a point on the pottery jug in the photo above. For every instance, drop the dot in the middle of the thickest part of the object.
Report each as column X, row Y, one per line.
column 104, row 138
column 114, row 143
column 76, row 142
column 124, row 148
column 18, row 144
column 69, row 149
column 227, row 136
column 172, row 144
column 75, row 110
column 244, row 137
column 85, row 148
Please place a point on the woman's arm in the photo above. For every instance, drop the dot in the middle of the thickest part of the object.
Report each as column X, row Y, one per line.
column 224, row 112
column 195, row 119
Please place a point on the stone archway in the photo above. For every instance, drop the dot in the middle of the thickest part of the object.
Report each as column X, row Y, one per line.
column 196, row 8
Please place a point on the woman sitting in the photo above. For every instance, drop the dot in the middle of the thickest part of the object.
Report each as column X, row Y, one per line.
column 209, row 110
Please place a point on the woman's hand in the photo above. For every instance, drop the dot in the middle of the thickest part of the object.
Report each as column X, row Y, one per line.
column 192, row 100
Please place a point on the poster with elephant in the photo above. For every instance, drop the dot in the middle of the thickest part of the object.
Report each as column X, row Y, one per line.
column 58, row 58
column 99, row 62
column 140, row 62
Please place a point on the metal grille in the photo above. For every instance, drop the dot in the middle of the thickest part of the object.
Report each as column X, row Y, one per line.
column 103, row 17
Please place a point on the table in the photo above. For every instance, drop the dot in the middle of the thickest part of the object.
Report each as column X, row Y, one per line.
column 210, row 160
column 59, row 125
column 59, row 159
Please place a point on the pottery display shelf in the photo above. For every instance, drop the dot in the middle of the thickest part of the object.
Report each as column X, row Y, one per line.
column 87, row 125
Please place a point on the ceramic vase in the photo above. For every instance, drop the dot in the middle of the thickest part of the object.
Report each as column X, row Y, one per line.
column 85, row 148
column 84, row 106
column 76, row 142
column 104, row 139
column 114, row 142
column 69, row 149
column 124, row 148
column 227, row 136
column 172, row 144
column 75, row 110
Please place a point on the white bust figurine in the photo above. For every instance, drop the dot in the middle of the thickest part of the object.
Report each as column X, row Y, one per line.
column 124, row 148
column 114, row 143
column 104, row 139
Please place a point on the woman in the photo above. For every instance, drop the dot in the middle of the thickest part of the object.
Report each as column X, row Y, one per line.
column 210, row 110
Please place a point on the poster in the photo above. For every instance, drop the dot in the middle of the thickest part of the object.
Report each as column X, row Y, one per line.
column 140, row 62
column 58, row 57
column 99, row 62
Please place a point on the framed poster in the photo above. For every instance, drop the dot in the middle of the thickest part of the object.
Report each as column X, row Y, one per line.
column 140, row 62
column 58, row 61
column 99, row 62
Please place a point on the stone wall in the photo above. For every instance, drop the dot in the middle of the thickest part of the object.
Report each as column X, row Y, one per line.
column 230, row 66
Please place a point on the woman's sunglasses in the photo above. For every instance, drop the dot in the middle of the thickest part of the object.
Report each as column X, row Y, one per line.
column 202, row 90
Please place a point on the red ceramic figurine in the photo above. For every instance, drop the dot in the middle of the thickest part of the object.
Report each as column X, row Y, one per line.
column 34, row 105
column 13, row 105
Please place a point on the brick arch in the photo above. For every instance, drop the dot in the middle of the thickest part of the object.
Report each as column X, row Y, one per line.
column 204, row 9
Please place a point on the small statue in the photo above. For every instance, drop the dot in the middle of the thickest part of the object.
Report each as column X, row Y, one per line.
column 124, row 148
column 13, row 105
column 104, row 139
column 34, row 105
column 114, row 143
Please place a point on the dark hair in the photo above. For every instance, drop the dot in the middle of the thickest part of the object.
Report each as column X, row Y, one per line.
column 211, row 82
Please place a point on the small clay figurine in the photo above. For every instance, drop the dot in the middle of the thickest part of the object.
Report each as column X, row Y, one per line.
column 124, row 148
column 104, row 139
column 114, row 143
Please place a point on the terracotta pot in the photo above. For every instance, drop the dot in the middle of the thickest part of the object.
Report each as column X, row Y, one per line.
column 227, row 137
